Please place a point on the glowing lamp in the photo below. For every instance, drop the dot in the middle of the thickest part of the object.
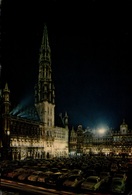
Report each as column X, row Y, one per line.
column 101, row 131
column 8, row 132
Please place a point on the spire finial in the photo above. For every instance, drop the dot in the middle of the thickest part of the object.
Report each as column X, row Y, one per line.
column 123, row 120
column 6, row 87
column 45, row 51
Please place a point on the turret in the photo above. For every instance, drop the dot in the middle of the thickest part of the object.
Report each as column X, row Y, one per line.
column 6, row 100
column 124, row 127
column 6, row 122
column 66, row 120
column 73, row 135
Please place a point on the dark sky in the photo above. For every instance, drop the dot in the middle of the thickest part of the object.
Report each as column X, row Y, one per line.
column 91, row 51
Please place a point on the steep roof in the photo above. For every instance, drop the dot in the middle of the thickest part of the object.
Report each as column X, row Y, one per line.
column 27, row 112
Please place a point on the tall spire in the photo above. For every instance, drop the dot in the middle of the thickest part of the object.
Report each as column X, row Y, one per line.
column 45, row 52
column 44, row 89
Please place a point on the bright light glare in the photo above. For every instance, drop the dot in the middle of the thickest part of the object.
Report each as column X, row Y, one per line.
column 101, row 131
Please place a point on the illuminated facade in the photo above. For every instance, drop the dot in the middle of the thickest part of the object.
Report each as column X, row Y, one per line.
column 122, row 140
column 96, row 142
column 30, row 131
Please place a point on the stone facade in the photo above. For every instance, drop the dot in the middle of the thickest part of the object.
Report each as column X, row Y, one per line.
column 30, row 132
column 88, row 142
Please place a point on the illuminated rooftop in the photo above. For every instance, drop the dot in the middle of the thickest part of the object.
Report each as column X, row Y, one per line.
column 27, row 112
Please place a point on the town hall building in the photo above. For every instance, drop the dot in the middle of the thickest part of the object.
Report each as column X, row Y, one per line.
column 30, row 131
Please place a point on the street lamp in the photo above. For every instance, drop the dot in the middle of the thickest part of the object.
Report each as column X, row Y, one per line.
column 101, row 131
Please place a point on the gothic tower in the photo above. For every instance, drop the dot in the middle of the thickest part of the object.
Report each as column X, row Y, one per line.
column 6, row 122
column 44, row 89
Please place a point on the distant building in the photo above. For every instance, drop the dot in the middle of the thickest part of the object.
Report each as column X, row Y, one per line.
column 88, row 142
column 122, row 140
column 30, row 131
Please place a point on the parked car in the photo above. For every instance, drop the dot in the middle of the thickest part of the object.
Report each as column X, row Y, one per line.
column 92, row 183
column 75, row 172
column 105, row 176
column 5, row 172
column 61, row 179
column 34, row 176
column 41, row 178
column 15, row 173
column 23, row 176
column 118, row 185
column 51, row 180
column 64, row 171
column 73, row 181
column 120, row 175
column 89, row 172
column 54, row 169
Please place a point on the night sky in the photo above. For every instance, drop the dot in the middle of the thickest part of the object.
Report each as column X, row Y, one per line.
column 91, row 48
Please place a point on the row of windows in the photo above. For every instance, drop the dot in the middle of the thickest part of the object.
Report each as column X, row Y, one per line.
column 55, row 134
column 24, row 143
column 121, row 138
